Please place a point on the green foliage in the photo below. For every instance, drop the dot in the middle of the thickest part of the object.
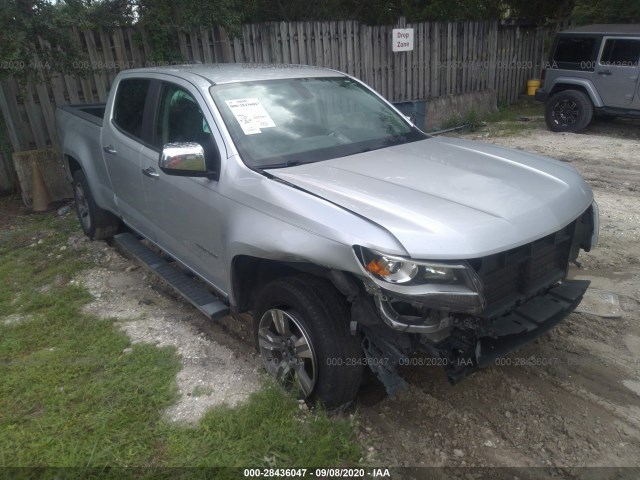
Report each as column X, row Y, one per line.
column 471, row 121
column 541, row 10
column 162, row 19
column 374, row 12
column 448, row 10
column 88, row 14
column 34, row 39
column 606, row 11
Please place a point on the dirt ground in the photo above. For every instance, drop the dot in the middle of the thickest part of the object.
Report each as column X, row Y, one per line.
column 217, row 367
column 570, row 399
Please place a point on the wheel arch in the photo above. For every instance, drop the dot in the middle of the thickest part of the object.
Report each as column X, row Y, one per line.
column 249, row 274
column 71, row 166
column 582, row 85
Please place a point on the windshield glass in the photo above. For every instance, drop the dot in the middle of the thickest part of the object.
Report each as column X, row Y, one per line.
column 278, row 123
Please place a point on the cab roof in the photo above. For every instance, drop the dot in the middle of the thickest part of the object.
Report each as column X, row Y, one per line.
column 606, row 29
column 220, row 73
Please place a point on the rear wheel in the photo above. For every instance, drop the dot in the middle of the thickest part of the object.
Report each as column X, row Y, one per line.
column 568, row 111
column 302, row 331
column 96, row 223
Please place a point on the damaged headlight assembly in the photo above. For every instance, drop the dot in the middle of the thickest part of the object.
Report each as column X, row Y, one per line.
column 449, row 286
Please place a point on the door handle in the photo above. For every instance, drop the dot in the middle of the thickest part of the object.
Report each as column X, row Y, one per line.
column 604, row 72
column 109, row 149
column 151, row 172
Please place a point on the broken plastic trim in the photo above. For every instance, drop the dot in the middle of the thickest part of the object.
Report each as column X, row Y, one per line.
column 530, row 320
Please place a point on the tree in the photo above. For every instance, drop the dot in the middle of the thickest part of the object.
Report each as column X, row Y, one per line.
column 606, row 11
column 540, row 10
column 33, row 39
column 163, row 18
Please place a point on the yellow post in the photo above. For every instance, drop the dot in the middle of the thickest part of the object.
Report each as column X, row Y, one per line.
column 532, row 86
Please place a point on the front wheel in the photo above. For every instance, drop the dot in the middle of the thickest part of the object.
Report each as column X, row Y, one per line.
column 568, row 111
column 96, row 223
column 302, row 331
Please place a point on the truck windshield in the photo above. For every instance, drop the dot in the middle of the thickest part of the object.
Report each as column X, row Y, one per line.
column 279, row 123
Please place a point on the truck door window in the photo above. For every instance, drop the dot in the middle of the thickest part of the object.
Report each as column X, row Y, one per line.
column 128, row 108
column 180, row 120
column 620, row 52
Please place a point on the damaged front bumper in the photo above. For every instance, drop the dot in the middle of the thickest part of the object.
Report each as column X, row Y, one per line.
column 517, row 296
column 465, row 344
column 500, row 336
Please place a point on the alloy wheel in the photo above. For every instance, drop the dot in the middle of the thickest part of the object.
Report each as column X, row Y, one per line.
column 566, row 112
column 287, row 351
column 82, row 204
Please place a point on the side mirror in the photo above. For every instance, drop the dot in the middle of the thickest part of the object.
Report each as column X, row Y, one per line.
column 184, row 160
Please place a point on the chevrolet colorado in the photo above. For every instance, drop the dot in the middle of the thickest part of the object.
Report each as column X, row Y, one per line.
column 354, row 239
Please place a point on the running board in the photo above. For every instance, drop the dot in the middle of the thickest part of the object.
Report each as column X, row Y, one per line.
column 199, row 296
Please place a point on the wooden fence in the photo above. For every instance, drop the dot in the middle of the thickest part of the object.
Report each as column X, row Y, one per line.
column 448, row 58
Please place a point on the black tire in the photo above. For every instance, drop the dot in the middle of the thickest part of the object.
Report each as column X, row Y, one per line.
column 96, row 223
column 568, row 111
column 318, row 312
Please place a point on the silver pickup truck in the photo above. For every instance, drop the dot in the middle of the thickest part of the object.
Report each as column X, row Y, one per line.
column 355, row 240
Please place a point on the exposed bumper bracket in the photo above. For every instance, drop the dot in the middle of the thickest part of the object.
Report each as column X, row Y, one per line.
column 533, row 319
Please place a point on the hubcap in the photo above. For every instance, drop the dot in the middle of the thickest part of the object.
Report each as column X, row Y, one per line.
column 82, row 205
column 565, row 113
column 286, row 350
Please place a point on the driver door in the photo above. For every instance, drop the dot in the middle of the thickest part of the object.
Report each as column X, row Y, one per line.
column 185, row 211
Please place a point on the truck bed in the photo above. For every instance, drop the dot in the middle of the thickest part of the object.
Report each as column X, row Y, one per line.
column 92, row 112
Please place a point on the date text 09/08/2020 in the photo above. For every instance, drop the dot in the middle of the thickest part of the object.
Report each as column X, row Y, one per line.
column 317, row 472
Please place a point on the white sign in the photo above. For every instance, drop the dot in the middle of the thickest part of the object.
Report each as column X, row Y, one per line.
column 402, row 39
column 251, row 115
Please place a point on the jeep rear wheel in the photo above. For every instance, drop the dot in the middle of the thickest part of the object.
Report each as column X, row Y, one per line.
column 301, row 329
column 568, row 111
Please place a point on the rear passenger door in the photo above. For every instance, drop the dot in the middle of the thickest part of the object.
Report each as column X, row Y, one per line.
column 122, row 140
column 185, row 211
column 617, row 70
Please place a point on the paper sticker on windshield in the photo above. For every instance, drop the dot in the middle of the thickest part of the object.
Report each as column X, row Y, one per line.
column 250, row 114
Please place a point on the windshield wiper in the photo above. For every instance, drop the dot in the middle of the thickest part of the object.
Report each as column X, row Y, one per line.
column 290, row 163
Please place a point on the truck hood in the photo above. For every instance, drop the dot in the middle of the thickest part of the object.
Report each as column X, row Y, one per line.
column 446, row 198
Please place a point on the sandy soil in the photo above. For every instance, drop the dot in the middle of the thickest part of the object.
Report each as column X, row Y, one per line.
column 570, row 399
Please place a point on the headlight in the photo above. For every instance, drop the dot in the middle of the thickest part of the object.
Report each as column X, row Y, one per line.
column 398, row 270
column 447, row 286
column 391, row 269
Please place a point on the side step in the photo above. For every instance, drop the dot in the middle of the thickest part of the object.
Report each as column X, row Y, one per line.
column 200, row 297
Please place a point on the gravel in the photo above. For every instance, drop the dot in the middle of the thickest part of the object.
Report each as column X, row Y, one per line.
column 217, row 369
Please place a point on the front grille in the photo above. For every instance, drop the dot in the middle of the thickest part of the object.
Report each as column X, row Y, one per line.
column 515, row 275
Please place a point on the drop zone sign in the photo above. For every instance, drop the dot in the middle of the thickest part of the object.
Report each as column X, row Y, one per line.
column 402, row 39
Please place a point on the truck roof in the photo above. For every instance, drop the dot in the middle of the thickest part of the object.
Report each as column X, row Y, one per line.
column 607, row 29
column 219, row 73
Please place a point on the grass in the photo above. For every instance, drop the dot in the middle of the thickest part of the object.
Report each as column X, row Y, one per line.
column 506, row 121
column 509, row 119
column 70, row 396
column 472, row 120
